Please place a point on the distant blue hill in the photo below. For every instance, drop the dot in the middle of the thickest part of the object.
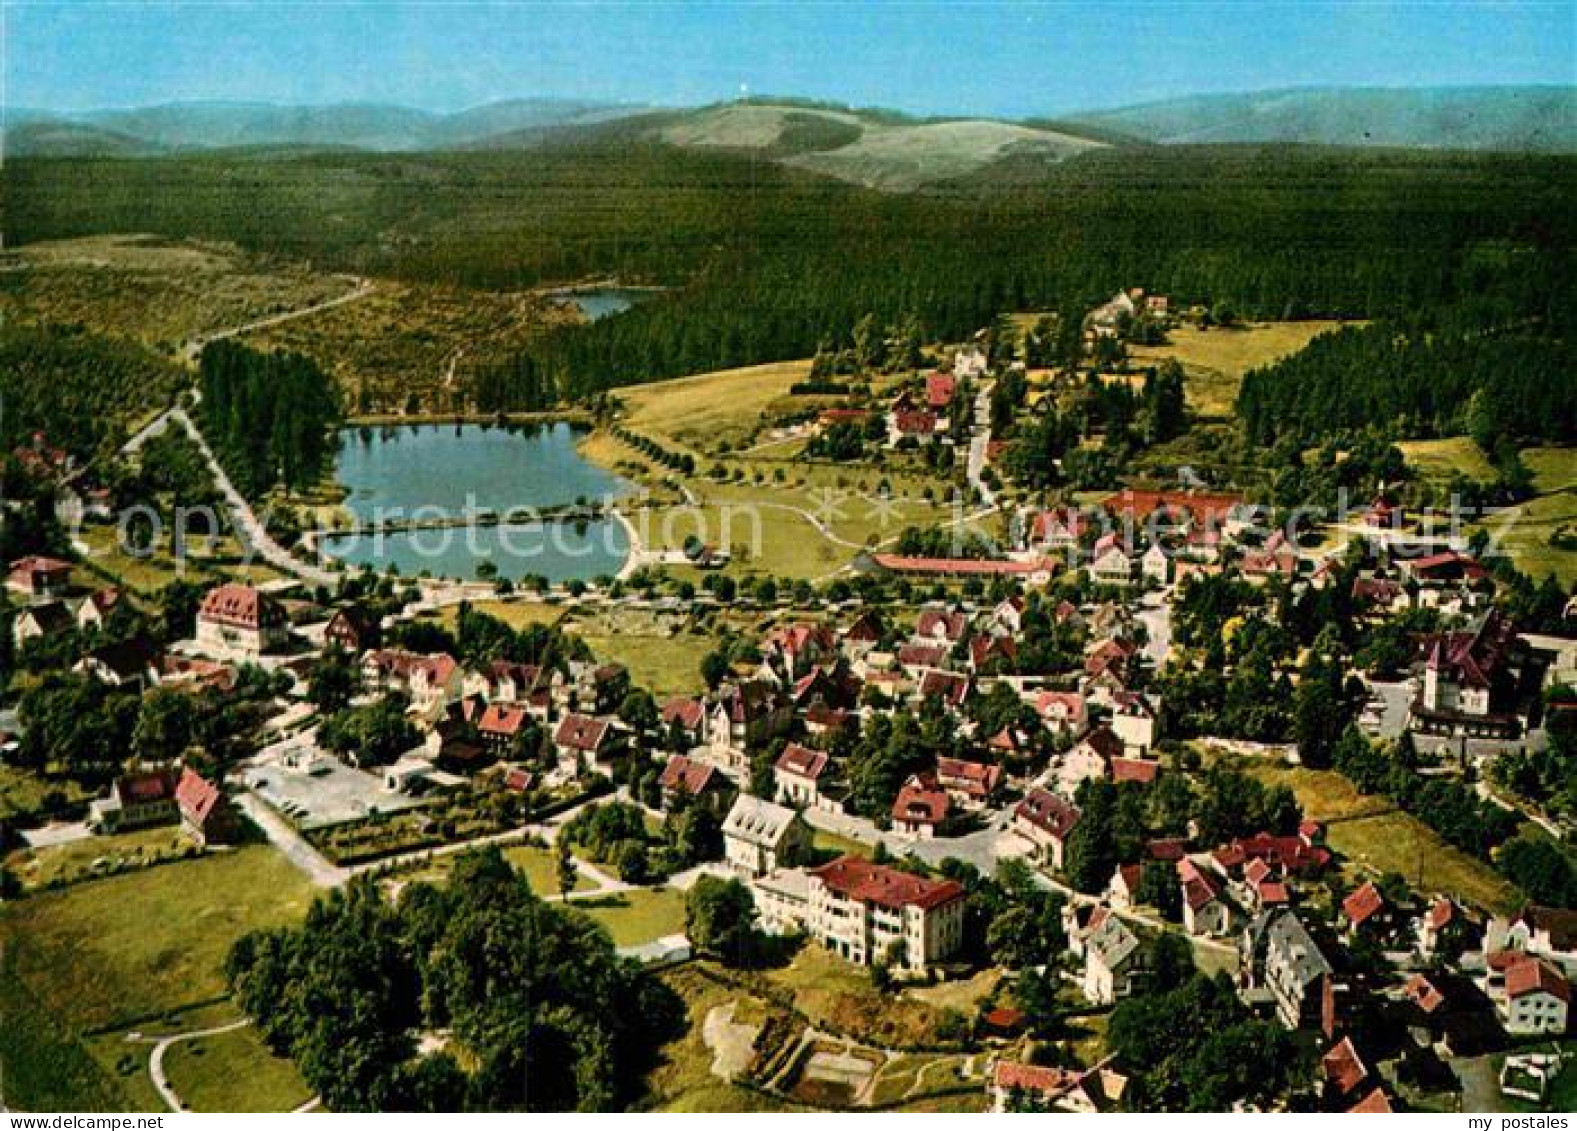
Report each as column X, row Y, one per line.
column 1540, row 119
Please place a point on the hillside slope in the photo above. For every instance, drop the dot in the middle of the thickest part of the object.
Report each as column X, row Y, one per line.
column 1523, row 119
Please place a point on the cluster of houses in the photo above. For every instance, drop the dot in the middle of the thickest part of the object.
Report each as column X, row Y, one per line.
column 924, row 415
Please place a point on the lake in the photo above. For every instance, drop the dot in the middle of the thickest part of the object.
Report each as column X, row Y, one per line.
column 602, row 302
column 431, row 471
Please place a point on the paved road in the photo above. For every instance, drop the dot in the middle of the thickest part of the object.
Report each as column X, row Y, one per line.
column 978, row 439
column 156, row 1061
column 1155, row 613
column 254, row 536
column 194, row 347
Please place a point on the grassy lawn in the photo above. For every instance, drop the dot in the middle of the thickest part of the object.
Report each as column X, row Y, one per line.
column 833, row 842
column 233, row 1071
column 112, row 953
column 1375, row 838
column 79, row 859
column 516, row 614
column 665, row 665
column 1214, row 361
column 699, row 413
column 639, row 916
column 1524, row 532
column 1440, row 459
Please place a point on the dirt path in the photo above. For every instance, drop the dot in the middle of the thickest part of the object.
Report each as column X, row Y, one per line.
column 162, row 1045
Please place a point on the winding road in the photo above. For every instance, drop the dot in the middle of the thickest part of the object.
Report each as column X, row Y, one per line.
column 254, row 536
column 156, row 1061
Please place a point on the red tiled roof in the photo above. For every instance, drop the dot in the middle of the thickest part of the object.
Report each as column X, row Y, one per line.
column 580, row 732
column 918, row 805
column 240, row 606
column 1375, row 1103
column 685, row 775
column 1534, row 975
column 1199, row 890
column 857, row 879
column 1140, row 770
column 948, row 686
column 502, row 719
column 1010, row 1075
column 974, row 778
column 898, row 563
column 36, row 565
column 1047, row 812
column 952, row 625
column 1441, row 912
column 687, row 712
column 1424, row 993
column 1363, row 904
column 1202, row 507
column 939, row 390
column 143, row 789
column 802, row 761
column 1342, row 1066
column 197, row 797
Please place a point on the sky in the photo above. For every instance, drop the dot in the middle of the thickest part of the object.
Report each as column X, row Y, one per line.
column 1010, row 59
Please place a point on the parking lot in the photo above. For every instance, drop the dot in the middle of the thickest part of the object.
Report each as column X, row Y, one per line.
column 324, row 791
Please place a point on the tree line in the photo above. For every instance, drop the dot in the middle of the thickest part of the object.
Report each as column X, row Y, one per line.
column 268, row 416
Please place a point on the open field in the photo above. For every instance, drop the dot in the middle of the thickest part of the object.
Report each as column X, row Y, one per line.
column 233, row 1071
column 638, row 916
column 158, row 292
column 663, row 665
column 839, row 995
column 516, row 614
column 408, row 341
column 1374, row 837
column 1440, row 459
column 112, row 953
column 699, row 414
column 147, row 574
column 1214, row 361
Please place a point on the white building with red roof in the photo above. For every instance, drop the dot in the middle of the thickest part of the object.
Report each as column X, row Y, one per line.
column 920, row 810
column 1045, row 821
column 235, row 618
column 797, row 776
column 869, row 913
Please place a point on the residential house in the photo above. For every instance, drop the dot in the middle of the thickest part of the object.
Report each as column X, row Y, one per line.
column 581, row 739
column 1549, row 932
column 39, row 578
column 97, row 606
column 352, row 629
column 920, row 809
column 206, row 814
column 501, row 726
column 971, row 785
column 1278, row 558
column 940, row 627
column 135, row 801
column 1122, row 892
column 41, row 621
column 760, row 836
column 1470, row 681
column 1364, row 910
column 797, row 776
column 869, row 913
column 241, row 618
column 1065, row 713
column 950, row 688
column 1109, row 561
column 686, row 780
column 1133, row 720
column 1155, row 564
column 429, row 681
column 1045, row 820
column 1279, row 964
column 1206, row 909
column 130, row 663
column 1016, row 1087
column 1111, row 958
column 1537, row 998
column 684, row 716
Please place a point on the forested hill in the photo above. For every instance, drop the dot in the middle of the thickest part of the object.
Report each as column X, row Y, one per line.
column 767, row 260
